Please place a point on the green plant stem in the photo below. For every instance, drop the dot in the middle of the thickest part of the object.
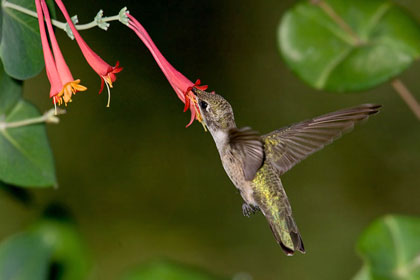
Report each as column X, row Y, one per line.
column 407, row 96
column 47, row 117
column 56, row 23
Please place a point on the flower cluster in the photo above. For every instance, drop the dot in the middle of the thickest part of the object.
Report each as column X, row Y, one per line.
column 63, row 86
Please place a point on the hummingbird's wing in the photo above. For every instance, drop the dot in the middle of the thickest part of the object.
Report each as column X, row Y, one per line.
column 249, row 145
column 288, row 146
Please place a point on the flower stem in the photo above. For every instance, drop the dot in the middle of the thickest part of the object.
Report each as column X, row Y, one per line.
column 47, row 117
column 338, row 20
column 407, row 96
column 59, row 24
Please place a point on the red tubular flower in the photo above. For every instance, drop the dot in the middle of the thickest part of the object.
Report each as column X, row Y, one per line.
column 179, row 82
column 50, row 66
column 69, row 86
column 103, row 69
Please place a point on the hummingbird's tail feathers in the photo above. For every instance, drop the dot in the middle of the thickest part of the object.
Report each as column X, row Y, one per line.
column 272, row 200
column 287, row 235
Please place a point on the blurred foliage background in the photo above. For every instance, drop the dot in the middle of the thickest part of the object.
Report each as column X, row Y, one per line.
column 140, row 186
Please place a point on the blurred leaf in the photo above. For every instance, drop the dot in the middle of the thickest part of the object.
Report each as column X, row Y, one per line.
column 363, row 274
column 69, row 258
column 159, row 270
column 24, row 256
column 26, row 158
column 20, row 47
column 390, row 248
column 327, row 57
column 10, row 92
column 51, row 249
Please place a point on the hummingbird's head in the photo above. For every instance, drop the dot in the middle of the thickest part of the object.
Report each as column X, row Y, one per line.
column 216, row 111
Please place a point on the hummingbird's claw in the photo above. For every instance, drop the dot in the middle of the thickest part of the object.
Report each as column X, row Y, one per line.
column 248, row 210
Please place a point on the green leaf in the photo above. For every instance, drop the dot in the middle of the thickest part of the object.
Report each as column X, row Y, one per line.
column 327, row 57
column 363, row 274
column 50, row 247
column 20, row 47
column 390, row 249
column 24, row 256
column 26, row 158
column 159, row 270
column 68, row 251
column 10, row 92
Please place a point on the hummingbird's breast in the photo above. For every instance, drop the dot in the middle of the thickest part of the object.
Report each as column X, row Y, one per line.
column 268, row 190
column 233, row 166
column 264, row 191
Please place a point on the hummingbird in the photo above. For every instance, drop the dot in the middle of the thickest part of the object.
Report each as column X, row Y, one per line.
column 255, row 162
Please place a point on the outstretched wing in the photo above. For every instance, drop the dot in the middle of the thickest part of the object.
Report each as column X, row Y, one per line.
column 288, row 146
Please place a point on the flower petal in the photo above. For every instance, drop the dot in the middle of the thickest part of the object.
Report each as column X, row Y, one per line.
column 181, row 85
column 95, row 61
column 50, row 66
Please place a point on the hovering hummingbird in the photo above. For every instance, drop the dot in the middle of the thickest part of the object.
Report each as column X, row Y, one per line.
column 255, row 162
column 252, row 161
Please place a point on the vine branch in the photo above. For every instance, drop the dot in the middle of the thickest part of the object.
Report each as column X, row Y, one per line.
column 47, row 117
column 99, row 20
column 407, row 96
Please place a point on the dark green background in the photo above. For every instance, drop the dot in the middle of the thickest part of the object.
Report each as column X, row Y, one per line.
column 142, row 186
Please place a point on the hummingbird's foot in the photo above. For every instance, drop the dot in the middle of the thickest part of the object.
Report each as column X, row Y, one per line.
column 248, row 210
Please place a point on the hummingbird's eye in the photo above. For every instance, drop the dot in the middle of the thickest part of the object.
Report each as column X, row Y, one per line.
column 203, row 104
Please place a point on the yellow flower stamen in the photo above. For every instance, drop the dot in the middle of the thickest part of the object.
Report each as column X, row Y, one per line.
column 108, row 83
column 108, row 80
column 68, row 90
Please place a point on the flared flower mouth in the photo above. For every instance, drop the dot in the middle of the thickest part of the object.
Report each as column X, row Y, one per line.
column 105, row 71
column 192, row 103
column 68, row 90
column 192, row 99
column 109, row 78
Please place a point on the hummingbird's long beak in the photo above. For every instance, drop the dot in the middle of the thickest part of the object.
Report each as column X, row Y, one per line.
column 197, row 92
column 194, row 91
